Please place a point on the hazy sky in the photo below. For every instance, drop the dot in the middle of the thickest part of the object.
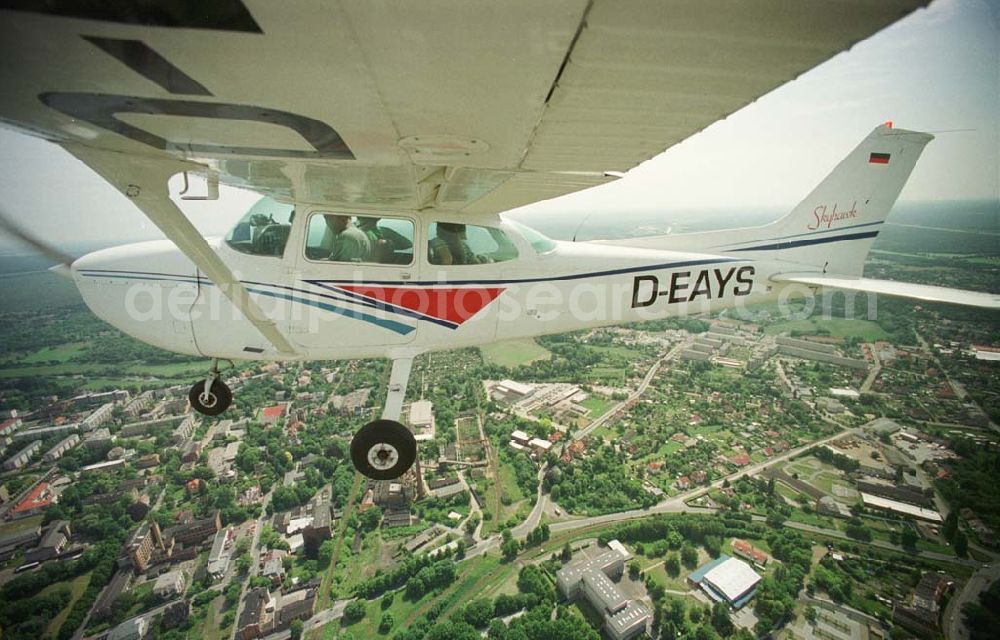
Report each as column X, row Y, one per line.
column 938, row 71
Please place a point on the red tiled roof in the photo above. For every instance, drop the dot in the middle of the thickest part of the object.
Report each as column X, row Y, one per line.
column 740, row 460
column 34, row 499
column 274, row 412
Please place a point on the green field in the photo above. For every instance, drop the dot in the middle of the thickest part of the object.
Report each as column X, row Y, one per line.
column 597, row 404
column 405, row 612
column 21, row 524
column 60, row 353
column 77, row 586
column 837, row 327
column 515, row 353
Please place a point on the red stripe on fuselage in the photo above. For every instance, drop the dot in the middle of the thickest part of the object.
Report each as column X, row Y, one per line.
column 451, row 303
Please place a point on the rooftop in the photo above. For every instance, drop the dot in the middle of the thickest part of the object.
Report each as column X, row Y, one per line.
column 37, row 497
column 732, row 579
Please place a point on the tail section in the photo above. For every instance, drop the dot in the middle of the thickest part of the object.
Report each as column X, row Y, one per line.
column 833, row 228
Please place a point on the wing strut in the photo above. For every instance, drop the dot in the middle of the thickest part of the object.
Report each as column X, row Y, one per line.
column 143, row 180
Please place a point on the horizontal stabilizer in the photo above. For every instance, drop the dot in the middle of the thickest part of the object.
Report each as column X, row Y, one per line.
column 929, row 293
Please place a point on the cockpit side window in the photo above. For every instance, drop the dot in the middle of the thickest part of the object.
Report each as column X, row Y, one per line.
column 451, row 243
column 339, row 237
column 264, row 230
column 539, row 242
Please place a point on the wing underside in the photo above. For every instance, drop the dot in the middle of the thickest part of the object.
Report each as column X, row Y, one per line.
column 455, row 106
column 925, row 292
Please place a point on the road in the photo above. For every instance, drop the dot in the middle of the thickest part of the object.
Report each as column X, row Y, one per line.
column 541, row 501
column 953, row 623
column 678, row 504
column 254, row 548
column 866, row 386
column 327, row 616
column 641, row 389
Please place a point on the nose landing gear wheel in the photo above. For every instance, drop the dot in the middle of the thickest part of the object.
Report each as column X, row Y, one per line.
column 213, row 403
column 383, row 450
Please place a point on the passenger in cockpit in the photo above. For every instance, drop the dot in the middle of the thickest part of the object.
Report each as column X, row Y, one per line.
column 350, row 244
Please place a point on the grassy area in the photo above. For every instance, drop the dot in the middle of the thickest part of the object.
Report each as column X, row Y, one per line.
column 515, row 353
column 837, row 327
column 597, row 404
column 473, row 576
column 22, row 524
column 171, row 370
column 77, row 586
column 606, row 375
column 60, row 353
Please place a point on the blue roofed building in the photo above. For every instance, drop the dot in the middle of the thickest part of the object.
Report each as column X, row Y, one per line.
column 727, row 579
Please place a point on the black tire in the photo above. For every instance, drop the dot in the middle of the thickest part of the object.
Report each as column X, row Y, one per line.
column 218, row 400
column 389, row 440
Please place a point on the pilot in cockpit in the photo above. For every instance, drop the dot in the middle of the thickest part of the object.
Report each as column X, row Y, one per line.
column 350, row 244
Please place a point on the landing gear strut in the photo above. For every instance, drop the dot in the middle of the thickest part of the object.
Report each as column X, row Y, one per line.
column 211, row 396
column 385, row 449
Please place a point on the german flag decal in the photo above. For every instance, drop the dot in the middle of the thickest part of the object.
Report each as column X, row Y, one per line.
column 878, row 158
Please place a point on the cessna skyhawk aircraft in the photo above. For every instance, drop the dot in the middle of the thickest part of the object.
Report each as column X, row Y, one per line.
column 387, row 137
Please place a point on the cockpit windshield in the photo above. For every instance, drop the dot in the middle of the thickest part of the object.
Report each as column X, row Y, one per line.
column 538, row 241
column 264, row 230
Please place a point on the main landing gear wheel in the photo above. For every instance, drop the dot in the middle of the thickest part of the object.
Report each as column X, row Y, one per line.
column 383, row 450
column 212, row 402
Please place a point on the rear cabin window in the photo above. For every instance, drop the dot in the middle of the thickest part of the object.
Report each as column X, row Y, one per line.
column 336, row 237
column 464, row 244
column 264, row 230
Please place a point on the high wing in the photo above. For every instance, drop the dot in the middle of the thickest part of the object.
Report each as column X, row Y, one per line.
column 927, row 292
column 391, row 104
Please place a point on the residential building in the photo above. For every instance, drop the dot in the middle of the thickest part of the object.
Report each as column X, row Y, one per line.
column 9, row 426
column 255, row 621
column 22, row 457
column 139, row 404
column 170, row 585
column 100, row 416
column 218, row 557
column 146, row 427
column 184, row 430
column 321, row 527
column 106, row 601
column 141, row 545
column 191, row 452
column 921, row 614
column 57, row 451
column 97, row 439
column 271, row 415
column 104, row 467
column 297, row 605
column 131, row 629
column 197, row 531
column 41, row 433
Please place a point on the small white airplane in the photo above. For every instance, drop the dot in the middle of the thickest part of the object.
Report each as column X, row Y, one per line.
column 384, row 237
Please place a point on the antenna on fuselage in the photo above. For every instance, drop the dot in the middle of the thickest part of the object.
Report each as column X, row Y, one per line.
column 580, row 226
